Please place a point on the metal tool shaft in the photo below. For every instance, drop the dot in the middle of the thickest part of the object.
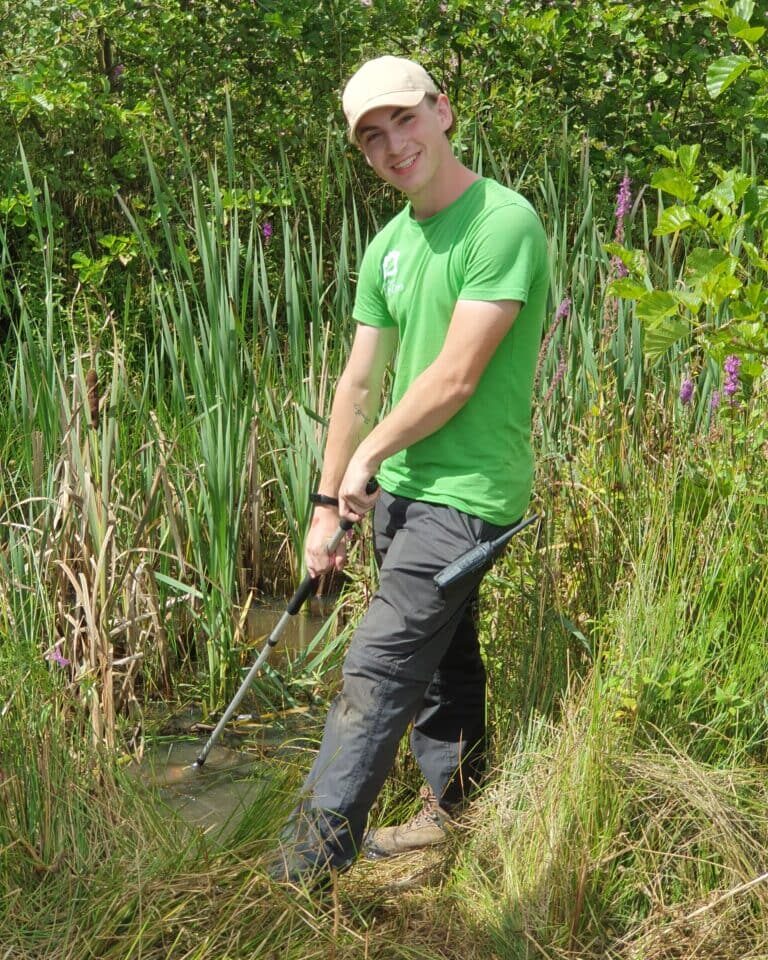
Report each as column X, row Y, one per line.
column 305, row 589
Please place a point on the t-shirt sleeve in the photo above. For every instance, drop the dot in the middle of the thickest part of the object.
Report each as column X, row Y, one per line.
column 502, row 255
column 370, row 306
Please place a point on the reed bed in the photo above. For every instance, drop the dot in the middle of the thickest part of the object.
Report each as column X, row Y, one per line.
column 163, row 430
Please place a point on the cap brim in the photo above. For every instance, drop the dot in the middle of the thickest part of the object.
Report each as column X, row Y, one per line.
column 400, row 98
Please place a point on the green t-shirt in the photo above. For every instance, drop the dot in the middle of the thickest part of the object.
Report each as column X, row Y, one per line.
column 488, row 244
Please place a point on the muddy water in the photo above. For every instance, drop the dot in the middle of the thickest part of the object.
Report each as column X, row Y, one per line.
column 213, row 798
column 298, row 632
column 216, row 797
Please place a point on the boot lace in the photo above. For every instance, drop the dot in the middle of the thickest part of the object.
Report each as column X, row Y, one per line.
column 429, row 808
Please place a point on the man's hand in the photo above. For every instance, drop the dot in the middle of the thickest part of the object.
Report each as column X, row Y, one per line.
column 325, row 523
column 354, row 499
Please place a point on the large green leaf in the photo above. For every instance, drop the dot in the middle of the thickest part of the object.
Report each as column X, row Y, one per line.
column 704, row 260
column 688, row 155
column 672, row 220
column 716, row 8
column 737, row 27
column 743, row 10
column 725, row 71
column 659, row 337
column 626, row 289
column 674, row 182
column 656, row 306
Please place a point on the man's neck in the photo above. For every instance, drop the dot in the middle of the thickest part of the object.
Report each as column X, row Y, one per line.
column 448, row 184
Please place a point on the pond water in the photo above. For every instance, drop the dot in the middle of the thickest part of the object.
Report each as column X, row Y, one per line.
column 298, row 632
column 216, row 797
column 213, row 798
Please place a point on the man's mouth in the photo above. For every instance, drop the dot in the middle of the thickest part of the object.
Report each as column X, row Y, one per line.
column 405, row 164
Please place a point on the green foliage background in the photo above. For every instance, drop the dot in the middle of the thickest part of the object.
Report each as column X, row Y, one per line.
column 82, row 83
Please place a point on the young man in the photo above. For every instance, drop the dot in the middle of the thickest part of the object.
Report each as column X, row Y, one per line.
column 458, row 283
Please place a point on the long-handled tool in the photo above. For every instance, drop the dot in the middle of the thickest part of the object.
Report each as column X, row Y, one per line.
column 479, row 556
column 305, row 589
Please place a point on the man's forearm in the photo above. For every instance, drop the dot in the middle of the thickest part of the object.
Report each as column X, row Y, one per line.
column 353, row 415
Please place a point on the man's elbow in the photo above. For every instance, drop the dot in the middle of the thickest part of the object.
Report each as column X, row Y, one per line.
column 460, row 389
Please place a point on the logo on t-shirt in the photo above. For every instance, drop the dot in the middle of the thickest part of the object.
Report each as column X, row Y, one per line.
column 389, row 273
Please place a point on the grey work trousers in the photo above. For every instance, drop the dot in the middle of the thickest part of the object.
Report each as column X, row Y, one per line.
column 414, row 659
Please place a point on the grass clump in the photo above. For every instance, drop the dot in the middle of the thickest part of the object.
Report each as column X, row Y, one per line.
column 633, row 821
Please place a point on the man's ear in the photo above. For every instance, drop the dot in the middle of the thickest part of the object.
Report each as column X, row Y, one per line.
column 444, row 111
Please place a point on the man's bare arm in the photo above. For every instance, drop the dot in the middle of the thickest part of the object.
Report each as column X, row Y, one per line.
column 356, row 401
column 353, row 414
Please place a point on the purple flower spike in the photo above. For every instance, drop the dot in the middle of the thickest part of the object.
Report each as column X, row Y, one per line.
column 623, row 206
column 731, row 366
column 54, row 655
column 618, row 268
column 624, row 198
column 563, row 309
column 266, row 230
column 686, row 391
column 714, row 400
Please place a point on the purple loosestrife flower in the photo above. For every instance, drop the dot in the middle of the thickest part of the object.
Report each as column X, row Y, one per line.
column 624, row 198
column 686, row 391
column 623, row 206
column 731, row 366
column 563, row 310
column 267, row 231
column 618, row 268
column 714, row 400
column 559, row 374
column 54, row 655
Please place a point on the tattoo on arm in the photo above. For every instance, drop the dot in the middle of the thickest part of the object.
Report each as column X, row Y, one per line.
column 359, row 412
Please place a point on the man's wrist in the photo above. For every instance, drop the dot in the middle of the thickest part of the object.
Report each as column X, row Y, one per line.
column 323, row 500
column 368, row 460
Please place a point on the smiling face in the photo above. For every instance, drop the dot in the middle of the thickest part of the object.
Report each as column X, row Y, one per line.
column 407, row 146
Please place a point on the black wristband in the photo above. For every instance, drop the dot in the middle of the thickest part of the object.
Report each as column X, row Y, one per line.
column 320, row 500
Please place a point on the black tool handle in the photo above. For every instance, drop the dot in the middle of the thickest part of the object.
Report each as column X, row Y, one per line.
column 474, row 559
column 478, row 556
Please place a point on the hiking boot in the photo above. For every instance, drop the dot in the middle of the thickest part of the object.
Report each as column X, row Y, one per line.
column 427, row 828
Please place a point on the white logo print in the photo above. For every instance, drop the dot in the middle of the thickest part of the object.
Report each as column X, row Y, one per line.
column 389, row 272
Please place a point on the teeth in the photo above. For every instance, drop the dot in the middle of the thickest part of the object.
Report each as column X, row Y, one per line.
column 405, row 163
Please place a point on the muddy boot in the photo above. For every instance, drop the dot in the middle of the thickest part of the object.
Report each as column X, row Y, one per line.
column 427, row 828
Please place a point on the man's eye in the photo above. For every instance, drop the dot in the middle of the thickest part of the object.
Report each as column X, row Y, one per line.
column 371, row 137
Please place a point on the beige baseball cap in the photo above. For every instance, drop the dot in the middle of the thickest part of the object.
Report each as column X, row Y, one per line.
column 385, row 82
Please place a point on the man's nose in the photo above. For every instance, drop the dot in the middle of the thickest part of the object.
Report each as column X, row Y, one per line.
column 395, row 142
